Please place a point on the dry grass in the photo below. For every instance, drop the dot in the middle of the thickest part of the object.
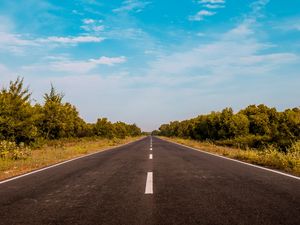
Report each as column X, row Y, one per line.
column 57, row 151
column 270, row 157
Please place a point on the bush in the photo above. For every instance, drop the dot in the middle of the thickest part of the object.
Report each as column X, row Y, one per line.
column 245, row 142
column 10, row 150
column 294, row 150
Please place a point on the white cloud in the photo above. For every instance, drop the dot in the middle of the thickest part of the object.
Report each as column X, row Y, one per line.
column 88, row 21
column 208, row 4
column 91, row 25
column 289, row 24
column 201, row 15
column 242, row 30
column 71, row 40
column 236, row 53
column 15, row 43
column 14, row 39
column 214, row 6
column 212, row 1
column 131, row 5
column 108, row 61
column 76, row 66
column 18, row 44
column 257, row 8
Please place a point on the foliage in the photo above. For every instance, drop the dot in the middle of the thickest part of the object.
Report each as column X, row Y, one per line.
column 10, row 150
column 252, row 127
column 59, row 120
column 17, row 116
column 22, row 122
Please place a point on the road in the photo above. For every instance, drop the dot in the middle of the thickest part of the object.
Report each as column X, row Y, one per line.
column 173, row 185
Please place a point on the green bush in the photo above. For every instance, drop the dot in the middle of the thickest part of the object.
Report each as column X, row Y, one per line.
column 10, row 150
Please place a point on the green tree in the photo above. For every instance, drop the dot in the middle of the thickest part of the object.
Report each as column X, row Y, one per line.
column 104, row 128
column 60, row 120
column 17, row 116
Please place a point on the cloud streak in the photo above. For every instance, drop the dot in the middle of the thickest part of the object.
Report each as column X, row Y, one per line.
column 201, row 15
column 70, row 40
column 236, row 53
column 131, row 5
column 76, row 66
column 16, row 43
column 91, row 25
column 209, row 5
column 212, row 1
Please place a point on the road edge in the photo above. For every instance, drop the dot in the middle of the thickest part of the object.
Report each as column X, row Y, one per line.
column 235, row 160
column 66, row 161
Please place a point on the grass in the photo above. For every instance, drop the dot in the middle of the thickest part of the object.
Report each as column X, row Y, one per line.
column 57, row 151
column 269, row 157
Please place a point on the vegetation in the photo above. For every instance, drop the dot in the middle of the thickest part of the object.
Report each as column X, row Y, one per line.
column 258, row 134
column 24, row 126
column 253, row 127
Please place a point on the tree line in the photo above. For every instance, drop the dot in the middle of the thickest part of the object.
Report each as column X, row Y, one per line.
column 256, row 126
column 22, row 122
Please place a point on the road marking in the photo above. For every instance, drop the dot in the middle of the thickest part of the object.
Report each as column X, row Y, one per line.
column 150, row 149
column 150, row 156
column 248, row 164
column 149, row 183
column 64, row 162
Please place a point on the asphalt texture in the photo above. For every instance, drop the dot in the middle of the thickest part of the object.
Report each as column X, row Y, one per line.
column 189, row 187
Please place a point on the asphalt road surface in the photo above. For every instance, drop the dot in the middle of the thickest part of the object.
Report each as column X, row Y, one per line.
column 143, row 183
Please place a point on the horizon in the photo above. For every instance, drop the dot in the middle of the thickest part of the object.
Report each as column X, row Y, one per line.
column 151, row 62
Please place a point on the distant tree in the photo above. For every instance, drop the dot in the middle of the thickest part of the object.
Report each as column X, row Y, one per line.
column 120, row 129
column 104, row 128
column 134, row 130
column 155, row 132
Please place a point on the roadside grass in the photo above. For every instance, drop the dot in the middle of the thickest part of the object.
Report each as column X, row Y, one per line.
column 52, row 152
column 269, row 157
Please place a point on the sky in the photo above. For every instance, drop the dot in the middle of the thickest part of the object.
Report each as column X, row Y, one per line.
column 153, row 61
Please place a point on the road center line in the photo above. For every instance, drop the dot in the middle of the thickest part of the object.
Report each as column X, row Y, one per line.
column 150, row 156
column 149, row 183
column 150, row 149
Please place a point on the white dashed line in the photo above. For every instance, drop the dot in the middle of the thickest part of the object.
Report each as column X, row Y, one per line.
column 150, row 156
column 149, row 183
column 150, row 149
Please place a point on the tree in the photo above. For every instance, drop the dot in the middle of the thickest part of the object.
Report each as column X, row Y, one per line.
column 59, row 120
column 17, row 116
column 104, row 128
column 239, row 125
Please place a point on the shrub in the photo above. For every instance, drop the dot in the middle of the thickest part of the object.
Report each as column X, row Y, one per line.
column 10, row 150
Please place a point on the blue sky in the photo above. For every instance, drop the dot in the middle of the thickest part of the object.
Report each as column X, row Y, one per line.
column 153, row 61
